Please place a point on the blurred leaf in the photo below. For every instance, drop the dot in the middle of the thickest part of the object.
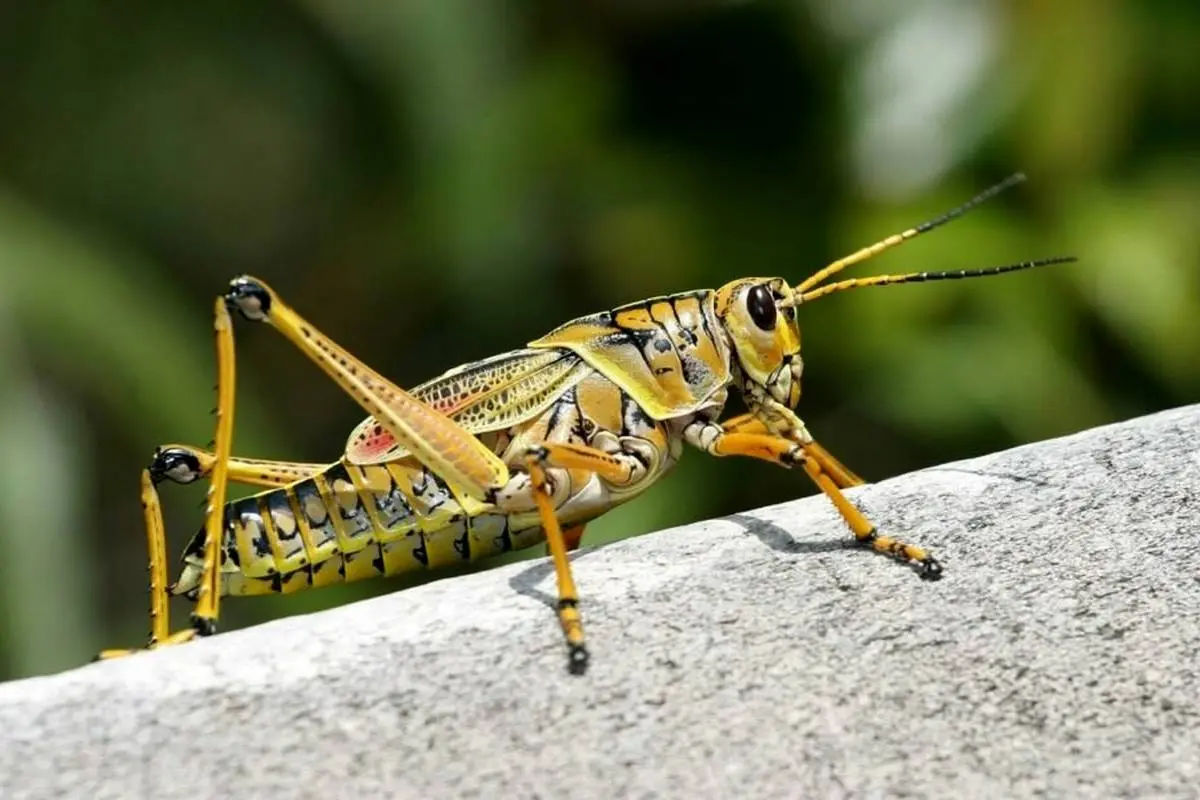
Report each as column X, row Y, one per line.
column 71, row 295
column 46, row 580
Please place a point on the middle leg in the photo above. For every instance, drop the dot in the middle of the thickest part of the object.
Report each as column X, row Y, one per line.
column 617, row 469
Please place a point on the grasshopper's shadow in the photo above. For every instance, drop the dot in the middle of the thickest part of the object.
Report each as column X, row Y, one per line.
column 781, row 541
column 773, row 536
column 525, row 582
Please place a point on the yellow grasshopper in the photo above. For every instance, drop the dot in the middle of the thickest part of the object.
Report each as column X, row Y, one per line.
column 510, row 451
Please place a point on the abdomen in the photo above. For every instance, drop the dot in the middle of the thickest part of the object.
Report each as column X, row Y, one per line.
column 350, row 523
column 363, row 521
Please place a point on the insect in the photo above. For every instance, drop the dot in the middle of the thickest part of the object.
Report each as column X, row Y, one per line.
column 505, row 453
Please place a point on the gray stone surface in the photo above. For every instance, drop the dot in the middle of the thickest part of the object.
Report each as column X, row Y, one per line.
column 752, row 656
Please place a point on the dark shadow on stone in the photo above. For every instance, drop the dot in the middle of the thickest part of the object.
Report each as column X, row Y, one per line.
column 991, row 474
column 526, row 581
column 781, row 541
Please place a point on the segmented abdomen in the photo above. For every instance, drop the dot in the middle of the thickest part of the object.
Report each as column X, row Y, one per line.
column 350, row 523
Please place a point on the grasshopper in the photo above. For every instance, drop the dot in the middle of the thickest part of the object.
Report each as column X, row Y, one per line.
column 511, row 451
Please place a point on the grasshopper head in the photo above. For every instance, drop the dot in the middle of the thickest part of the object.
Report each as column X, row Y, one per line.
column 759, row 317
column 759, row 314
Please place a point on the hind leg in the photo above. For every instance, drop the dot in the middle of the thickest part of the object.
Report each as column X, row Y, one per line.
column 204, row 614
column 183, row 463
column 156, row 545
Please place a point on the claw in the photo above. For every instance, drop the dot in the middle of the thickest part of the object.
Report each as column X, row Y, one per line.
column 930, row 569
column 204, row 626
column 577, row 659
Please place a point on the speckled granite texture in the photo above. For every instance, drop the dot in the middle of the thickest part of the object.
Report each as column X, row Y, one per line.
column 753, row 656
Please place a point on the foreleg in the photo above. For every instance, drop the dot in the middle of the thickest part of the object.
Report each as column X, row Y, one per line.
column 715, row 440
column 839, row 472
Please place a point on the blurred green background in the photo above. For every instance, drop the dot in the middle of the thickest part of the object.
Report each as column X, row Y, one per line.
column 437, row 181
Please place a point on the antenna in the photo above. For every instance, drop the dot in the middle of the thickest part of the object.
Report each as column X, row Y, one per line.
column 900, row 238
column 918, row 277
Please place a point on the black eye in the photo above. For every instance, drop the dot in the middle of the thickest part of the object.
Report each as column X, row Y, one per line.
column 761, row 306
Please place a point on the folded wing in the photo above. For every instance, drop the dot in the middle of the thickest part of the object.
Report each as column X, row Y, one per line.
column 488, row 395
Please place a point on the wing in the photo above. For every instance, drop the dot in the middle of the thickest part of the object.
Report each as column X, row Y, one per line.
column 667, row 353
column 488, row 395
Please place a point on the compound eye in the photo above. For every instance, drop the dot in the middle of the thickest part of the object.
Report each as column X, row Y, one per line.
column 761, row 305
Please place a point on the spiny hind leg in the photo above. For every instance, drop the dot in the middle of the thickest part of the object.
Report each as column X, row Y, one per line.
column 204, row 614
column 182, row 463
column 431, row 437
column 778, row 450
column 157, row 547
column 208, row 598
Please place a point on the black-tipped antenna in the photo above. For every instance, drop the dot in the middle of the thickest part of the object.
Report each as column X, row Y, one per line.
column 918, row 277
column 982, row 197
column 899, row 238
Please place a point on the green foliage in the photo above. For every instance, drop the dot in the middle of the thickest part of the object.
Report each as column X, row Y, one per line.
column 436, row 181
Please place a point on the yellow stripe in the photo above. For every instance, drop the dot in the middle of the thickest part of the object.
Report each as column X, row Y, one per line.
column 362, row 487
column 282, row 564
column 335, row 517
column 310, row 547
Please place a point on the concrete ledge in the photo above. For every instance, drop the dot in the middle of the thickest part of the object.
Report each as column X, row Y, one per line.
column 753, row 656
